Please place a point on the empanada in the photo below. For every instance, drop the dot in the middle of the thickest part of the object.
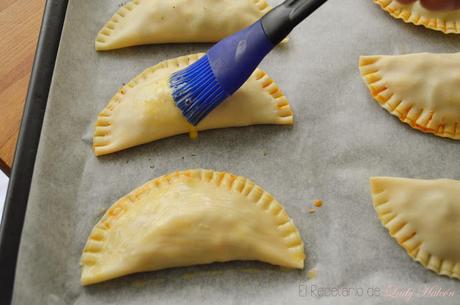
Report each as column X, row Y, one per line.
column 424, row 218
column 422, row 90
column 188, row 218
column 173, row 21
column 143, row 110
column 445, row 21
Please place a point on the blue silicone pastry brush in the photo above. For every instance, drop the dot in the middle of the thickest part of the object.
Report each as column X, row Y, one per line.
column 202, row 86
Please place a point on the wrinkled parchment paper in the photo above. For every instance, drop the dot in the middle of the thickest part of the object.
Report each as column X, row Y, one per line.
column 340, row 139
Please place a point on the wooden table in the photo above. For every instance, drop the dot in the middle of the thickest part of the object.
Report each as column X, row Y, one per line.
column 19, row 27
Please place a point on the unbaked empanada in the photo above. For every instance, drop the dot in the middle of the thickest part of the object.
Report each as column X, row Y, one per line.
column 422, row 90
column 143, row 110
column 445, row 21
column 424, row 218
column 174, row 21
column 189, row 218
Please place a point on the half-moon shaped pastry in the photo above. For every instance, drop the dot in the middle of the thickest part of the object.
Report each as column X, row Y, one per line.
column 189, row 218
column 143, row 110
column 422, row 90
column 423, row 216
column 445, row 21
column 174, row 21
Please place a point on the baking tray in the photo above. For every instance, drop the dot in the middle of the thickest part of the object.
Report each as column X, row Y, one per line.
column 340, row 139
column 28, row 139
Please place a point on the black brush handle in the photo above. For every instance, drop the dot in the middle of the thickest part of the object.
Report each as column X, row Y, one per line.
column 280, row 21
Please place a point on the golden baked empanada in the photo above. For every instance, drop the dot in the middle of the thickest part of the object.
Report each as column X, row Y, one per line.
column 424, row 218
column 189, row 218
column 422, row 90
column 445, row 21
column 143, row 110
column 173, row 21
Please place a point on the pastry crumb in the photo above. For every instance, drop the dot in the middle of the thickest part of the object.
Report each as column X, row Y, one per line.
column 311, row 211
column 318, row 203
column 193, row 134
column 311, row 274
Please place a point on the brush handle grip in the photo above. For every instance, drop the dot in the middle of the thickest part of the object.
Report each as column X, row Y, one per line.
column 280, row 21
column 234, row 58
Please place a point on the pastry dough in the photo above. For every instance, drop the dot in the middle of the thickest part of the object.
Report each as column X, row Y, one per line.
column 144, row 111
column 424, row 218
column 188, row 218
column 174, row 21
column 445, row 21
column 422, row 90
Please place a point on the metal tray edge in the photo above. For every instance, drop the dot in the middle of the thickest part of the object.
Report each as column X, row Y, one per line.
column 27, row 145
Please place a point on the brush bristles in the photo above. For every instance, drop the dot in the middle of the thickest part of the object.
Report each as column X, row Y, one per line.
column 196, row 90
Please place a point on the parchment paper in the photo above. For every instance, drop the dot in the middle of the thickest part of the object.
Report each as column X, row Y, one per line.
column 340, row 139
